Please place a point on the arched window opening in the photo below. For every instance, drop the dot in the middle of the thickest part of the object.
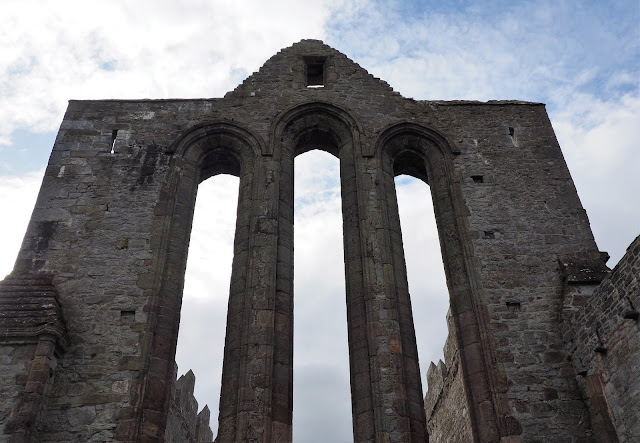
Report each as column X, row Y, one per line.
column 425, row 270
column 322, row 402
column 203, row 319
column 437, row 276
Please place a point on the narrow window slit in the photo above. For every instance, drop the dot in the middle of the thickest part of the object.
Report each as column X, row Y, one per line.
column 114, row 134
column 512, row 134
column 477, row 178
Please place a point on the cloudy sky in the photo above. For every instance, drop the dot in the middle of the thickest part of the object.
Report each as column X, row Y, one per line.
column 581, row 58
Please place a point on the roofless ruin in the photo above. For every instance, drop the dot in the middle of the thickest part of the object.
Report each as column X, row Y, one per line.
column 544, row 339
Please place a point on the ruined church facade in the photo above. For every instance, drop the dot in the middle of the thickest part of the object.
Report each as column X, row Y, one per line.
column 544, row 339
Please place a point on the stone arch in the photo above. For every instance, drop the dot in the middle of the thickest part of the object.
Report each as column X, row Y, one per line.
column 201, row 152
column 229, row 143
column 328, row 127
column 311, row 122
column 423, row 153
column 386, row 391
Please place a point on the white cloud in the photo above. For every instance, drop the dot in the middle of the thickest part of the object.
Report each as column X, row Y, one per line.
column 18, row 196
column 522, row 50
column 145, row 49
column 579, row 60
column 599, row 141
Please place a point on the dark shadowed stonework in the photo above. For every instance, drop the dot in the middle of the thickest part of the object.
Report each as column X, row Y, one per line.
column 539, row 349
column 184, row 423
column 445, row 404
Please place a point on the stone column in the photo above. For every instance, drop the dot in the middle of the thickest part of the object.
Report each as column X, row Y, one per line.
column 256, row 398
column 411, row 367
column 379, row 318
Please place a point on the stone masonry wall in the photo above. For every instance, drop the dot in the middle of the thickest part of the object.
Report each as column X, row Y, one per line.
column 524, row 212
column 33, row 336
column 112, row 229
column 445, row 403
column 184, row 423
column 14, row 360
column 603, row 339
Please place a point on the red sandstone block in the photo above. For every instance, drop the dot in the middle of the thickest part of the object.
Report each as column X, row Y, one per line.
column 156, row 394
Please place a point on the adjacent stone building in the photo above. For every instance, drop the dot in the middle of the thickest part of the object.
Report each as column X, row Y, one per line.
column 539, row 350
column 184, row 422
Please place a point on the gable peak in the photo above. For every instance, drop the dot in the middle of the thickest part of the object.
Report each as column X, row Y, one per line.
column 306, row 64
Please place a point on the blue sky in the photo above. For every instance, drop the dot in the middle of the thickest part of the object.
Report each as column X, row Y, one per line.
column 580, row 58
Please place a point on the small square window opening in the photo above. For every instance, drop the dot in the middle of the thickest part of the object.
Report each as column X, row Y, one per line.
column 315, row 71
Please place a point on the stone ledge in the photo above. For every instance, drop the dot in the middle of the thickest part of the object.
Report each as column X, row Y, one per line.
column 585, row 268
column 30, row 309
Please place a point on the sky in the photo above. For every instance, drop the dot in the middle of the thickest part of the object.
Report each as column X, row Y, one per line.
column 581, row 58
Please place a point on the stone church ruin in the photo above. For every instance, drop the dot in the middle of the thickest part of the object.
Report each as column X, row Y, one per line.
column 544, row 340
